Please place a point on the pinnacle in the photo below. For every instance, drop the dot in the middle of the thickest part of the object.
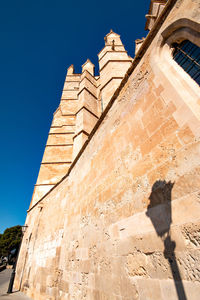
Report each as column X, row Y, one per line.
column 87, row 61
column 70, row 70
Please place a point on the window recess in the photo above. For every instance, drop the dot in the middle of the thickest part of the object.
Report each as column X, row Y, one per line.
column 187, row 55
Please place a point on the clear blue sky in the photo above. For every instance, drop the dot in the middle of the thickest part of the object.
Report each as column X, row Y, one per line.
column 38, row 40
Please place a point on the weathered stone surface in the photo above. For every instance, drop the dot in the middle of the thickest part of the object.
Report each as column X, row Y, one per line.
column 125, row 222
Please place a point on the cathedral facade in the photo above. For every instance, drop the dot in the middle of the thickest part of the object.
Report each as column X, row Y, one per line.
column 115, row 212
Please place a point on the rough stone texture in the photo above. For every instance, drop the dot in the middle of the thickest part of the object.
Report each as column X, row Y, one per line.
column 124, row 224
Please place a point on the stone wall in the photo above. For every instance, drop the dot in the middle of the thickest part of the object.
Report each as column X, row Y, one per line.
column 125, row 222
column 83, row 99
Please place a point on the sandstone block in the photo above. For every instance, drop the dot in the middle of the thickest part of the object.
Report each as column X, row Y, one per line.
column 149, row 289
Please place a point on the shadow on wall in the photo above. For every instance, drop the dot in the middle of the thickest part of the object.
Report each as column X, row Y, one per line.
column 161, row 218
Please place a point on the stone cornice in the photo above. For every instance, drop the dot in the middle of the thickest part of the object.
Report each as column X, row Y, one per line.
column 73, row 75
column 82, row 131
column 84, row 107
column 86, row 71
column 84, row 88
column 101, row 88
column 68, row 115
column 43, row 184
column 69, row 90
column 59, row 145
column 64, row 99
column 54, row 126
column 56, row 162
column 69, row 81
column 115, row 60
column 52, row 133
column 89, row 81
column 110, row 47
column 109, row 51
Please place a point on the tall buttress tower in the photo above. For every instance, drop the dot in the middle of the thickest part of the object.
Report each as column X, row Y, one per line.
column 84, row 98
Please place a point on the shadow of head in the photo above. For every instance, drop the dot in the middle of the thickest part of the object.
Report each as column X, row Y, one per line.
column 159, row 208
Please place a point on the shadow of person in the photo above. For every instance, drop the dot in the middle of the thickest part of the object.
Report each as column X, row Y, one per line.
column 159, row 208
column 159, row 211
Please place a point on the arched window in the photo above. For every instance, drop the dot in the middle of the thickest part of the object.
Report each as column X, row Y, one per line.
column 187, row 55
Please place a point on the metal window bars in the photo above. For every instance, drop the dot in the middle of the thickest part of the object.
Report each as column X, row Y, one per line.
column 187, row 55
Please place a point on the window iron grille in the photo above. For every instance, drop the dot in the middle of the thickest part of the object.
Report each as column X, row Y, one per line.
column 187, row 55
